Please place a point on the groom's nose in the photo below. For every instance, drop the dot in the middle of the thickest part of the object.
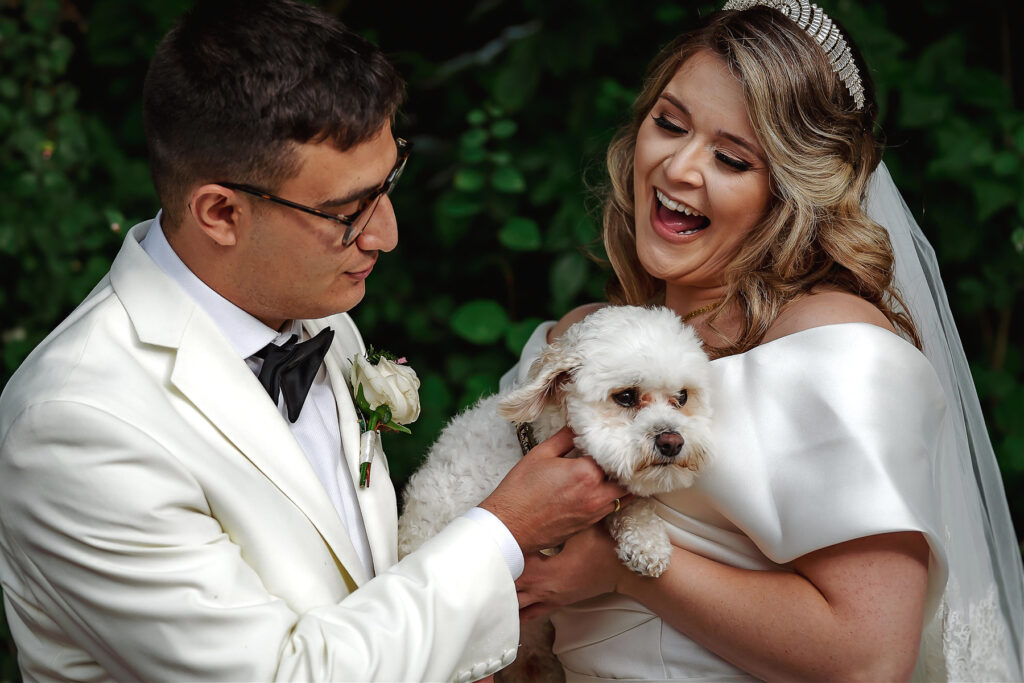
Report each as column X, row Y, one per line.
column 381, row 232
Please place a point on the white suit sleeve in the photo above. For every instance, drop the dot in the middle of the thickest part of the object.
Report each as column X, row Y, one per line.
column 112, row 544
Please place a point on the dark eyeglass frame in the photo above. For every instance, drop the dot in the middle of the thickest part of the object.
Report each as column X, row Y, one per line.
column 369, row 202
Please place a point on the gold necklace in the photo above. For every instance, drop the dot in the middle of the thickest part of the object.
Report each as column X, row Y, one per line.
column 703, row 309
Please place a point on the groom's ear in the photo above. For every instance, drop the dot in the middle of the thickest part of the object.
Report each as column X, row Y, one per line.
column 220, row 212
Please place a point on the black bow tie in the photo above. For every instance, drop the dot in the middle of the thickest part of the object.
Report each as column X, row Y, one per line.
column 291, row 368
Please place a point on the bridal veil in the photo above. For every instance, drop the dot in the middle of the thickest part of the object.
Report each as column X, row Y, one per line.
column 976, row 634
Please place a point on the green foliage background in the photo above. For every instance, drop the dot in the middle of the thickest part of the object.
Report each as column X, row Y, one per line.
column 510, row 107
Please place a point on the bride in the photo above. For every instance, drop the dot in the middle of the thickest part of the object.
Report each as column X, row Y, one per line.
column 853, row 525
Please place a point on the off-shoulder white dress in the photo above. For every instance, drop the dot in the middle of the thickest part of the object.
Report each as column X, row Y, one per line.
column 821, row 437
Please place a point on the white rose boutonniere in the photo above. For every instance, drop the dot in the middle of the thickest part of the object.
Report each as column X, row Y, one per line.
column 387, row 397
column 391, row 384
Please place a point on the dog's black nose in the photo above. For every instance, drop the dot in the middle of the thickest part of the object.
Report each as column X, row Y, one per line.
column 669, row 444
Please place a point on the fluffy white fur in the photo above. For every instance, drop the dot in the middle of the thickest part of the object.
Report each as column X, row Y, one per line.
column 581, row 379
column 576, row 380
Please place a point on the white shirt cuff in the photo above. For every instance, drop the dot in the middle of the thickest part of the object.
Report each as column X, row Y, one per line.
column 506, row 542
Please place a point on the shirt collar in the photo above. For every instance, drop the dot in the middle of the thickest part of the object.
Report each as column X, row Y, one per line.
column 245, row 333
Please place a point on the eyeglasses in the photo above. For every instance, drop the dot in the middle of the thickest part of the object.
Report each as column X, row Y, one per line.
column 355, row 222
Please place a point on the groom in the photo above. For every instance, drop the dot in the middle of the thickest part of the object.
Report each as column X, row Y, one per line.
column 179, row 495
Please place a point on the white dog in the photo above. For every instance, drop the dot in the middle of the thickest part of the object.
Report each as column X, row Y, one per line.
column 631, row 382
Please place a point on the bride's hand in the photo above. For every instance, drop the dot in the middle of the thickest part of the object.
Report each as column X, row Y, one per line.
column 586, row 567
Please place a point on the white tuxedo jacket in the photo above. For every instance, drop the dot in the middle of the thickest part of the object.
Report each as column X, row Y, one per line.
column 158, row 520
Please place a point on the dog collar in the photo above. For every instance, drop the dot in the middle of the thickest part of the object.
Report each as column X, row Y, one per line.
column 524, row 432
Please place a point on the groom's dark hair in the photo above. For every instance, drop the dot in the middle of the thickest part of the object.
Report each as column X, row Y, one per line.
column 236, row 83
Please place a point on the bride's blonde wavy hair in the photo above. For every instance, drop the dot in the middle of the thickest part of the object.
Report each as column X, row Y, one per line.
column 821, row 153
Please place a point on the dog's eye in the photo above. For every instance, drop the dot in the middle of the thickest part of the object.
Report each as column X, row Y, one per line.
column 625, row 398
column 681, row 397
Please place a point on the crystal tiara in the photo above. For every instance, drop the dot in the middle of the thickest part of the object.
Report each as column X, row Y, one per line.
column 816, row 23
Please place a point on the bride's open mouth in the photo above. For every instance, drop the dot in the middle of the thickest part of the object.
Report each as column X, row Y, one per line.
column 679, row 217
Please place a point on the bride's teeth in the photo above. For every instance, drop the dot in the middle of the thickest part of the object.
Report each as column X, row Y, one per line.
column 676, row 206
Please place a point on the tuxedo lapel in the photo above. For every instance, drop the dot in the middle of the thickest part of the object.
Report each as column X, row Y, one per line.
column 231, row 397
column 377, row 503
column 209, row 373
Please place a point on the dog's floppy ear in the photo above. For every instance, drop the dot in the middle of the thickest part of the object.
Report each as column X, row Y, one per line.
column 547, row 374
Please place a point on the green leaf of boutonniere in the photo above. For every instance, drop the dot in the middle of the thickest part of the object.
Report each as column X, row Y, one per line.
column 374, row 355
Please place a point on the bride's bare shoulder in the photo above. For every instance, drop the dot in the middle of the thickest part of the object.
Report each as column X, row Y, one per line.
column 574, row 316
column 825, row 308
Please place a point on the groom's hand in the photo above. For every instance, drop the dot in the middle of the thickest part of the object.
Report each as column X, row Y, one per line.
column 546, row 498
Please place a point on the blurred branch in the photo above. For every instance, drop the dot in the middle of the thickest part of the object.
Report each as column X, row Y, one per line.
column 483, row 56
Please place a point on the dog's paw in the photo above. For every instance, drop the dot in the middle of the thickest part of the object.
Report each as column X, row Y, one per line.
column 641, row 540
column 645, row 561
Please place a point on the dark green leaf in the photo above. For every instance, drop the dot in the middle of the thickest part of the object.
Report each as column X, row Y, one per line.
column 984, row 89
column 992, row 197
column 472, row 155
column 42, row 102
column 361, row 401
column 9, row 88
column 477, row 386
column 452, row 215
column 503, row 129
column 42, row 14
column 395, row 427
column 518, row 333
column 60, row 52
column 508, row 179
column 475, row 137
column 923, row 108
column 1017, row 238
column 1005, row 163
column 1011, row 455
column 515, row 82
column 501, row 158
column 973, row 294
column 568, row 275
column 469, row 179
column 669, row 13
column 482, row 321
column 521, row 234
column 434, row 394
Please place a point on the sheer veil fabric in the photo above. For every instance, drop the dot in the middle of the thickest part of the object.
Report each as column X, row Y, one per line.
column 976, row 634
